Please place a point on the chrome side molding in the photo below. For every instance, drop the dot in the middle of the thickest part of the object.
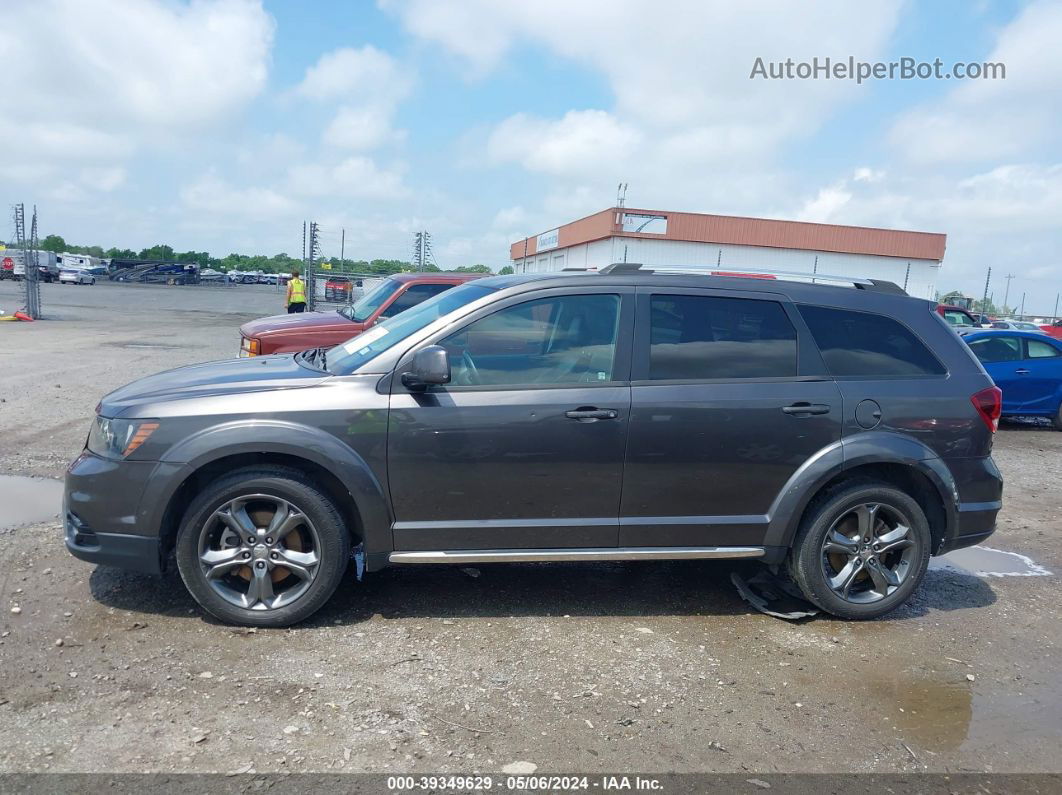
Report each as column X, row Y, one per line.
column 560, row 555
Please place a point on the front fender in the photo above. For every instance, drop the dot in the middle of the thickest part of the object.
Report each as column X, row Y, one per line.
column 872, row 447
column 285, row 438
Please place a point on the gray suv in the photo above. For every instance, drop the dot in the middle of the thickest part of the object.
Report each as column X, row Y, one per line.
column 841, row 434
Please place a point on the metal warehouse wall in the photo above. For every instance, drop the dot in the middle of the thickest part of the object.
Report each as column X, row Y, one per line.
column 676, row 253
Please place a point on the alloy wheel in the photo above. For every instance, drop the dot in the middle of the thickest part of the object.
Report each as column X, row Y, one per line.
column 868, row 553
column 259, row 552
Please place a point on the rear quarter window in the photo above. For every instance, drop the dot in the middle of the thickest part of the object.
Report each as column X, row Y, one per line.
column 867, row 344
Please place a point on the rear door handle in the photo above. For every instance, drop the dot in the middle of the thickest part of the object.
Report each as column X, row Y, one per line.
column 801, row 409
column 1021, row 371
column 589, row 413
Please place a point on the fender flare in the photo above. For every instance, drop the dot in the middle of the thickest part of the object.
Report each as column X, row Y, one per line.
column 275, row 436
column 873, row 447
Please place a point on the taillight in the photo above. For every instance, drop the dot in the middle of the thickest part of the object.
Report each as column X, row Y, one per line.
column 989, row 404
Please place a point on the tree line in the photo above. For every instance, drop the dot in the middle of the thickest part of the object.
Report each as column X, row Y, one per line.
column 278, row 263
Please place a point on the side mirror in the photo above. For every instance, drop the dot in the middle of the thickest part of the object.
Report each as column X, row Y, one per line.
column 430, row 366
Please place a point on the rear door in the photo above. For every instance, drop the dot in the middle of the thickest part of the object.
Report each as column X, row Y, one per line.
column 1042, row 379
column 1001, row 355
column 728, row 400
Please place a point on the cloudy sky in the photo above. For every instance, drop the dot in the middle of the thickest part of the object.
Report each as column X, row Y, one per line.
column 222, row 124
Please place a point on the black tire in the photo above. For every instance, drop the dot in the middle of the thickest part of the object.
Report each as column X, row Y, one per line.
column 1057, row 419
column 809, row 561
column 286, row 484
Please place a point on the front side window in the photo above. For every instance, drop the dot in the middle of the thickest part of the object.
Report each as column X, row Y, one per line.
column 413, row 296
column 695, row 337
column 997, row 349
column 866, row 344
column 1041, row 350
column 562, row 340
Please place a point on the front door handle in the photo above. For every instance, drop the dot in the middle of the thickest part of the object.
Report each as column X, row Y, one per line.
column 589, row 414
column 804, row 409
column 1021, row 371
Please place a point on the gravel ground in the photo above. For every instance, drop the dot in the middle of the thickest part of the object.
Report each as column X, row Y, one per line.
column 648, row 667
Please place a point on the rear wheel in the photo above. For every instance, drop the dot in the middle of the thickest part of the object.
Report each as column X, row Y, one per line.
column 1057, row 419
column 262, row 547
column 862, row 550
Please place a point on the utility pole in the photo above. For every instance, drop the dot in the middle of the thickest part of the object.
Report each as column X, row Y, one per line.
column 984, row 299
column 621, row 195
column 342, row 247
column 1006, row 292
column 1055, row 315
column 422, row 254
column 1021, row 312
column 313, row 252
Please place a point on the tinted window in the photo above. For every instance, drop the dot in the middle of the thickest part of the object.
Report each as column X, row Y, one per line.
column 865, row 344
column 956, row 318
column 563, row 340
column 1041, row 350
column 699, row 336
column 413, row 296
column 997, row 349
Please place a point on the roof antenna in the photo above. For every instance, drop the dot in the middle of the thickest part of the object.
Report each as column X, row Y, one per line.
column 621, row 194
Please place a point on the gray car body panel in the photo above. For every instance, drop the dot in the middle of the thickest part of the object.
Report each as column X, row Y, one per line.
column 385, row 443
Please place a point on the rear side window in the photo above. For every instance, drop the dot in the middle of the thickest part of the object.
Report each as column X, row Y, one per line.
column 1041, row 350
column 997, row 349
column 694, row 337
column 865, row 344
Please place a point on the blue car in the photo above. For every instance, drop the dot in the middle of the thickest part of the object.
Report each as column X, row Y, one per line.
column 1027, row 366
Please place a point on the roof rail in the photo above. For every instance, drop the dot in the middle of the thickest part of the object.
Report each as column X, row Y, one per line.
column 876, row 285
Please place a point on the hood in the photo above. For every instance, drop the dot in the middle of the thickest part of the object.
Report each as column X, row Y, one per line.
column 305, row 321
column 211, row 378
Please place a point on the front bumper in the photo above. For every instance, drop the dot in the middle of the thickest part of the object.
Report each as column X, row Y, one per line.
column 101, row 518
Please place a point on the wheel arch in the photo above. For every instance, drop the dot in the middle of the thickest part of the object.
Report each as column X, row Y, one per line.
column 897, row 460
column 337, row 468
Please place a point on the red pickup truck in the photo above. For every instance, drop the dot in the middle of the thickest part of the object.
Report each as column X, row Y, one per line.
column 291, row 333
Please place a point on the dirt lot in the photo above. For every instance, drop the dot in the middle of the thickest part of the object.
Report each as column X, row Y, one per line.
column 581, row 667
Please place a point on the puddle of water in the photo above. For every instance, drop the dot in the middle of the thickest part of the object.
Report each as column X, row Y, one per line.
column 988, row 562
column 28, row 500
column 934, row 714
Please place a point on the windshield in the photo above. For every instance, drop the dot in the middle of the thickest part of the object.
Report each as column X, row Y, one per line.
column 354, row 353
column 372, row 300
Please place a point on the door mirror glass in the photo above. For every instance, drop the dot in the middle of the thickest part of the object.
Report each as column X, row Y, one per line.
column 430, row 366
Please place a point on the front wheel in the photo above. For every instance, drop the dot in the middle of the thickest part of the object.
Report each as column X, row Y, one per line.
column 1057, row 419
column 262, row 547
column 862, row 550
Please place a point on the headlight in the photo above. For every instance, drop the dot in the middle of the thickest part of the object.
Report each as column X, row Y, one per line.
column 114, row 438
column 250, row 347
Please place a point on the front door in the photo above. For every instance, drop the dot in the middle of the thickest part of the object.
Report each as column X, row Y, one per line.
column 524, row 447
column 721, row 417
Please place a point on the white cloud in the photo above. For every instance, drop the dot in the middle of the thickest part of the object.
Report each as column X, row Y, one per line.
column 116, row 62
column 582, row 141
column 348, row 74
column 354, row 177
column 369, row 84
column 826, row 204
column 211, row 194
column 359, row 128
column 984, row 120
column 99, row 81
